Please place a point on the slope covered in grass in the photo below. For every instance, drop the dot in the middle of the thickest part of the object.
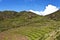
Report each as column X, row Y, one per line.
column 12, row 19
column 30, row 25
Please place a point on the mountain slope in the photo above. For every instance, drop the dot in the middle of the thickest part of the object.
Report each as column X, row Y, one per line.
column 30, row 26
column 11, row 19
column 54, row 16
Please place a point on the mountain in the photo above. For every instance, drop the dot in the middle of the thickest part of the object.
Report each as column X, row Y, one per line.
column 7, row 14
column 12, row 14
column 54, row 16
column 29, row 26
column 12, row 19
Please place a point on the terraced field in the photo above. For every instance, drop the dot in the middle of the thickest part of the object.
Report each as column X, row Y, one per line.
column 34, row 33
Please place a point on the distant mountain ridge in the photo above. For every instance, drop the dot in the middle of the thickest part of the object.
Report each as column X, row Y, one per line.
column 12, row 14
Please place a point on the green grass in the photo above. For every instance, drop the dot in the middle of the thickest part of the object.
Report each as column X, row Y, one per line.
column 35, row 27
column 34, row 30
column 33, row 33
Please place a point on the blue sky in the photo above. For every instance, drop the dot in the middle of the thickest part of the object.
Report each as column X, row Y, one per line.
column 20, row 5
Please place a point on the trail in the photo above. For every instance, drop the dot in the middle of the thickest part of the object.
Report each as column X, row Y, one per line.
column 6, row 36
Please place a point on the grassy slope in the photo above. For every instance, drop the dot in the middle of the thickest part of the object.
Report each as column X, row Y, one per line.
column 35, row 27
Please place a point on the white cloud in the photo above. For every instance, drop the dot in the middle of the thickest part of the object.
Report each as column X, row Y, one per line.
column 48, row 10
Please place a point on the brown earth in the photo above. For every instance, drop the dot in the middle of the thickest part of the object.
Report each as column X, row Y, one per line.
column 8, row 36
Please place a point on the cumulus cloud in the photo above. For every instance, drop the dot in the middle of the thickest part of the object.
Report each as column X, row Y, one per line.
column 48, row 10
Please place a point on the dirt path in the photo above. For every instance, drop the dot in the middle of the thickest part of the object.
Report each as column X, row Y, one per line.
column 6, row 36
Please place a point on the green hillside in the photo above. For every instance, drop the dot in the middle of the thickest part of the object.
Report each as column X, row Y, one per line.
column 29, row 26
